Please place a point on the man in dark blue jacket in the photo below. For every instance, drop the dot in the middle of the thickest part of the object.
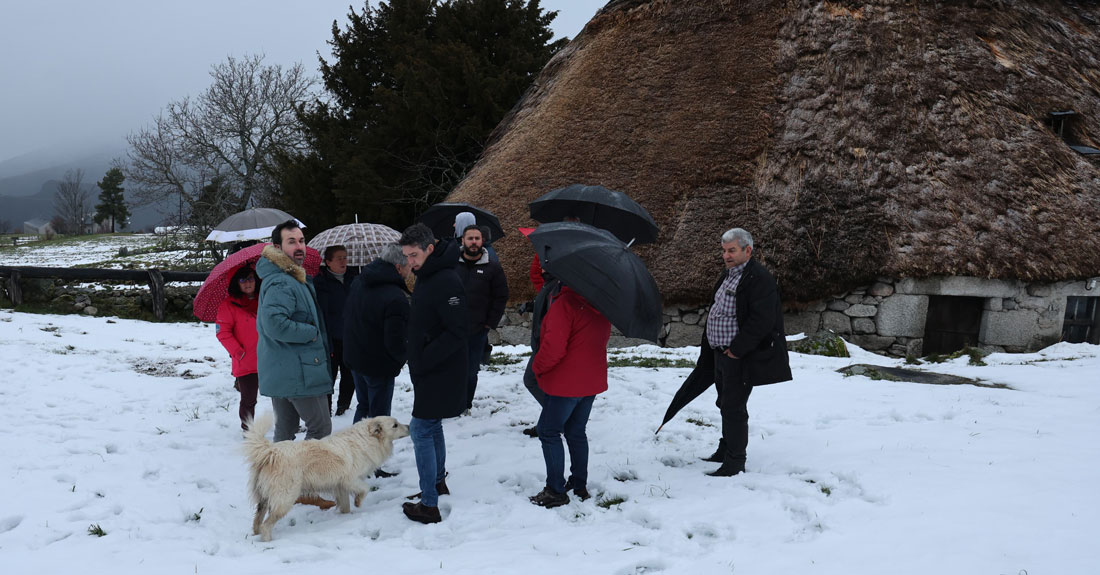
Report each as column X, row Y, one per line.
column 375, row 326
column 333, row 285
column 438, row 326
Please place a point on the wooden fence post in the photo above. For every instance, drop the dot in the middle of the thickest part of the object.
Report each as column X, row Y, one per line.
column 14, row 290
column 156, row 286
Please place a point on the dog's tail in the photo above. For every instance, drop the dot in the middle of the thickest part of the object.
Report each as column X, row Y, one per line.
column 258, row 451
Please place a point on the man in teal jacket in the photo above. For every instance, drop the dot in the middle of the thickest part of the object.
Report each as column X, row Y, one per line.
column 293, row 350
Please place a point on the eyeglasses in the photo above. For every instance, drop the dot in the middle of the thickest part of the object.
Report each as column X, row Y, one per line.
column 247, row 279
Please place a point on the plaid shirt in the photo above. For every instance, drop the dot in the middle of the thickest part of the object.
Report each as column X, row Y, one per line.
column 722, row 319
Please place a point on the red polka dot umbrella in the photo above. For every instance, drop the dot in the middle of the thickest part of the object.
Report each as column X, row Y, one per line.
column 216, row 287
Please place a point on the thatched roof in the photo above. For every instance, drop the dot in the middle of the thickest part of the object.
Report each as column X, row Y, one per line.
column 853, row 139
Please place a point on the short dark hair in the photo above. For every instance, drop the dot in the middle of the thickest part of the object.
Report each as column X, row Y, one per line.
column 235, row 282
column 330, row 252
column 480, row 230
column 418, row 235
column 277, row 233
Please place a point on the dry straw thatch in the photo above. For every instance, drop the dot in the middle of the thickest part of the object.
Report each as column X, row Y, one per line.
column 854, row 139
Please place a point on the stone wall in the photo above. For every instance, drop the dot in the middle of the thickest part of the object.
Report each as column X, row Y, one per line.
column 124, row 300
column 888, row 316
column 885, row 317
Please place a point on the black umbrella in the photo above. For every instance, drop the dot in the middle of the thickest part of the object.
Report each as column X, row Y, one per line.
column 596, row 205
column 441, row 219
column 699, row 380
column 605, row 272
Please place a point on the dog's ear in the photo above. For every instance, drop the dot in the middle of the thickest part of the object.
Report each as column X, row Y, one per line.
column 375, row 428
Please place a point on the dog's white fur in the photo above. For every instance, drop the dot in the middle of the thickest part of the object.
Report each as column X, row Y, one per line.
column 281, row 472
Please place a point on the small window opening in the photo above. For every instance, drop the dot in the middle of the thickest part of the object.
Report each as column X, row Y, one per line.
column 1082, row 322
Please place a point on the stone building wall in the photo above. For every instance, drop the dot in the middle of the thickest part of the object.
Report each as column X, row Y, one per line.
column 886, row 317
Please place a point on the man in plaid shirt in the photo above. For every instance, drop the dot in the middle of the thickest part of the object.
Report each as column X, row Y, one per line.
column 745, row 331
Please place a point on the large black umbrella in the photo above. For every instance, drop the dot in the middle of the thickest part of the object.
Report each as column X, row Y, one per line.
column 596, row 205
column 699, row 380
column 441, row 219
column 605, row 272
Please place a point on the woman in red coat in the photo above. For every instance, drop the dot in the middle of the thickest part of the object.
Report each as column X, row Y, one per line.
column 236, row 329
column 571, row 367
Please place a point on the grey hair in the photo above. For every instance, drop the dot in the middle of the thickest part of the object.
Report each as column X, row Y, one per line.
column 418, row 235
column 742, row 237
column 391, row 254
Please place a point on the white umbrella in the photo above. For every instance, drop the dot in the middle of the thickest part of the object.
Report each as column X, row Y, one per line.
column 251, row 224
column 364, row 242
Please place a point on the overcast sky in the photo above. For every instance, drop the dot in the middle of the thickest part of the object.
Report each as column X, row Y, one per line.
column 74, row 72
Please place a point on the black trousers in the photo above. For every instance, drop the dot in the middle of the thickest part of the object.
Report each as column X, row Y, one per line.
column 733, row 401
column 347, row 383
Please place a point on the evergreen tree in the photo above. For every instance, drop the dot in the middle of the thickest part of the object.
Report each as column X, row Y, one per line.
column 415, row 87
column 112, row 203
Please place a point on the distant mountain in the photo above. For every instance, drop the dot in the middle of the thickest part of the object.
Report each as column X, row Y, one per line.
column 28, row 183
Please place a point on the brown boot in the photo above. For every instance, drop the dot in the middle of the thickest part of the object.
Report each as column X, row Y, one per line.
column 316, row 500
column 421, row 513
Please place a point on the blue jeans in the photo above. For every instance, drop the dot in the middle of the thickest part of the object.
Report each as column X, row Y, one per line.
column 374, row 395
column 568, row 416
column 475, row 349
column 431, row 456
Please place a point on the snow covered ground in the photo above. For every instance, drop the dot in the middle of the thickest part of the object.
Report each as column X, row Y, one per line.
column 132, row 427
column 101, row 250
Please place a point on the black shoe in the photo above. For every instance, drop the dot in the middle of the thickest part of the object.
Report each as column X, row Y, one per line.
column 382, row 473
column 580, row 492
column 341, row 410
column 719, row 454
column 440, row 488
column 421, row 513
column 548, row 498
column 728, row 470
column 531, row 431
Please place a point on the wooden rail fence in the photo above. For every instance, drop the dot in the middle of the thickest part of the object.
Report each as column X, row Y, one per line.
column 154, row 277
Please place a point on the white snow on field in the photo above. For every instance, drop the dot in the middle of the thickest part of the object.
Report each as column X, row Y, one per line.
column 132, row 427
column 92, row 250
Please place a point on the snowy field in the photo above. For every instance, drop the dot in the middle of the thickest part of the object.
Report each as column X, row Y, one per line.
column 100, row 250
column 131, row 427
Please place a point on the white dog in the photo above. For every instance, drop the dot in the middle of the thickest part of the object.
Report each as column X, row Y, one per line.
column 283, row 471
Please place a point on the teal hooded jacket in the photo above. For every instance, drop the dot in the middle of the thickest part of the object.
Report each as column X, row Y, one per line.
column 292, row 352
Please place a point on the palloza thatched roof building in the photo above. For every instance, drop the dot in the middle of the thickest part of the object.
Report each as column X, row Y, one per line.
column 905, row 139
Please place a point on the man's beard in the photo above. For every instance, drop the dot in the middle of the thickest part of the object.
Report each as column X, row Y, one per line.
column 471, row 251
column 300, row 257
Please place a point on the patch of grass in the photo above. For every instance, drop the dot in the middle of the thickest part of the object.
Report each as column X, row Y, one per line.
column 607, row 502
column 698, row 422
column 826, row 490
column 194, row 415
column 196, row 516
column 912, row 360
column 654, row 362
column 95, row 529
column 503, row 359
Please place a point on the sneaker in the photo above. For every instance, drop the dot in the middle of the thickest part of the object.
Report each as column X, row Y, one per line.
column 421, row 513
column 580, row 492
column 440, row 488
column 532, row 431
column 548, row 498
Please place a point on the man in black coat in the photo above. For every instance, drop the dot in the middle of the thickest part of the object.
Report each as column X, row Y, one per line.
column 486, row 297
column 438, row 326
column 745, row 331
column 375, row 326
column 333, row 285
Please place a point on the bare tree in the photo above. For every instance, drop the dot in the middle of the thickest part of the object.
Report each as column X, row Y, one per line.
column 229, row 133
column 70, row 203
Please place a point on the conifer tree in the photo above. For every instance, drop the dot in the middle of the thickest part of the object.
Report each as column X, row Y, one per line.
column 112, row 203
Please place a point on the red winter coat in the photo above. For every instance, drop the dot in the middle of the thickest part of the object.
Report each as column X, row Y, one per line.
column 535, row 273
column 236, row 328
column 572, row 356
